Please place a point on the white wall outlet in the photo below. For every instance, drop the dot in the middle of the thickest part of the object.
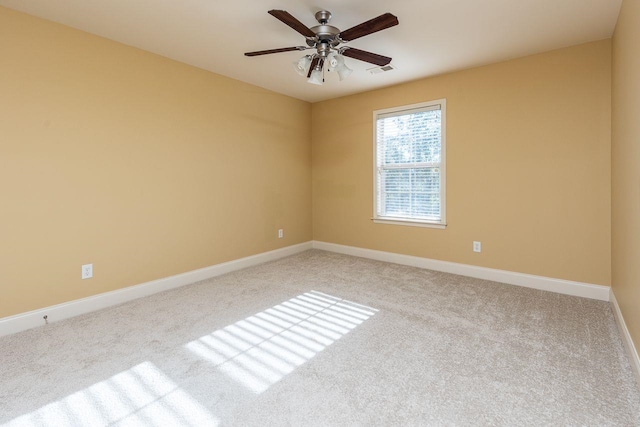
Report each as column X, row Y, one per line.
column 280, row 233
column 477, row 246
column 87, row 271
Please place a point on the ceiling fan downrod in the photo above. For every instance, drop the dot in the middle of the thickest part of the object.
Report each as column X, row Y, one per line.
column 326, row 36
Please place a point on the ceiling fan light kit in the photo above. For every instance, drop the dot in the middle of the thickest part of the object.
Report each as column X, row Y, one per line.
column 324, row 39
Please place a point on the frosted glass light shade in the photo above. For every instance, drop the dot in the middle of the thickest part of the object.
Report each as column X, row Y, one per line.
column 316, row 77
column 344, row 72
column 302, row 65
column 336, row 63
column 333, row 61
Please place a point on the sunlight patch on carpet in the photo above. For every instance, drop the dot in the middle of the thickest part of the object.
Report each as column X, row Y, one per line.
column 262, row 349
column 142, row 395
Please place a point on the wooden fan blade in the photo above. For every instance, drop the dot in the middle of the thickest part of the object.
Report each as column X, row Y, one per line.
column 365, row 56
column 371, row 26
column 314, row 62
column 266, row 52
column 289, row 19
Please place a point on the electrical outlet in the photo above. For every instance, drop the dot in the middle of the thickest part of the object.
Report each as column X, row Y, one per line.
column 87, row 271
column 477, row 246
column 280, row 233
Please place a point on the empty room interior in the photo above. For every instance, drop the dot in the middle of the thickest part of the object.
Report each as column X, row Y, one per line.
column 294, row 213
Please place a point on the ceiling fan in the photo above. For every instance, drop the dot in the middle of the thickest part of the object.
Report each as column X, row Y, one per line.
column 325, row 40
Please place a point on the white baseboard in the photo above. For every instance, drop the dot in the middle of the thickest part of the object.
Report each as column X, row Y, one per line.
column 567, row 287
column 634, row 359
column 32, row 319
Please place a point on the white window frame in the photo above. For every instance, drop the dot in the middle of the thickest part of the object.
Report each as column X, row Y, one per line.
column 441, row 224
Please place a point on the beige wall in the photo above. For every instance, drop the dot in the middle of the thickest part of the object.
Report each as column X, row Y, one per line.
column 146, row 167
column 528, row 166
column 143, row 166
column 625, row 249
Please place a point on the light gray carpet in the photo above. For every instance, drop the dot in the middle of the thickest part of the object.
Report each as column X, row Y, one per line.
column 326, row 339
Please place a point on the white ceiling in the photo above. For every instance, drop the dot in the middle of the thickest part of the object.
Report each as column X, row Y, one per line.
column 433, row 37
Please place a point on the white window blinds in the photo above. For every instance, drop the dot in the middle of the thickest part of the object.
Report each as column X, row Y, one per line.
column 409, row 163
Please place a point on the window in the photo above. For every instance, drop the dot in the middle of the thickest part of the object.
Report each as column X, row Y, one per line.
column 409, row 158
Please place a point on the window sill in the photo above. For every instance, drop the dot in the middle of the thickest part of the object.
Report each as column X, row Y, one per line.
column 411, row 223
